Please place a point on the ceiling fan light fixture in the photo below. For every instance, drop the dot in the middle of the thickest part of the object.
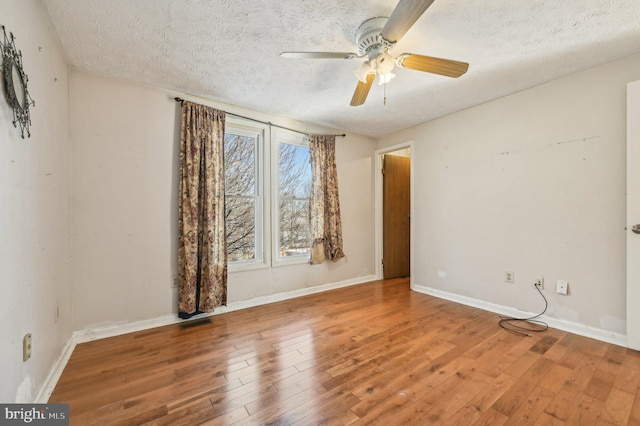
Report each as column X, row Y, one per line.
column 385, row 78
column 384, row 63
column 364, row 69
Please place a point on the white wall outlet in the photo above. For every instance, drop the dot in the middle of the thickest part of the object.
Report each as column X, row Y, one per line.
column 562, row 287
column 174, row 282
column 509, row 277
column 539, row 282
column 26, row 347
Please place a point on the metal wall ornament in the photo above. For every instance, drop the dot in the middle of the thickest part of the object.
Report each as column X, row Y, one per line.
column 15, row 84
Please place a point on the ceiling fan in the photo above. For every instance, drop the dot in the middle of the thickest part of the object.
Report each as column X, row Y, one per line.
column 375, row 38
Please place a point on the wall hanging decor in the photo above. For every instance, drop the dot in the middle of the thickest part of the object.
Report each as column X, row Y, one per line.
column 15, row 83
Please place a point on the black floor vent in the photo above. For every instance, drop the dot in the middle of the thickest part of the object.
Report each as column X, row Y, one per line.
column 195, row 323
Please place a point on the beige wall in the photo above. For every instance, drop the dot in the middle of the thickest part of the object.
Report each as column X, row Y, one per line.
column 34, row 209
column 125, row 164
column 532, row 183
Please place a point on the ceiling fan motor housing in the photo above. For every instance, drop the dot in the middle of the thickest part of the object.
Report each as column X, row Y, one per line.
column 369, row 37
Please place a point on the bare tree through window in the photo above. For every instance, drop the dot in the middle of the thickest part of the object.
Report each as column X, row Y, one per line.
column 294, row 171
column 242, row 198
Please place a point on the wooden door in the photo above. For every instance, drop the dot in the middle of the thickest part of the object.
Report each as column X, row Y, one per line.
column 633, row 215
column 396, row 212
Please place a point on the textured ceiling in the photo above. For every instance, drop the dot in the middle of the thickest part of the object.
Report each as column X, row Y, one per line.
column 228, row 51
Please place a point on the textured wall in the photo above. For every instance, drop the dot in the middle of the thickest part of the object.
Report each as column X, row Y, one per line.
column 34, row 209
column 532, row 183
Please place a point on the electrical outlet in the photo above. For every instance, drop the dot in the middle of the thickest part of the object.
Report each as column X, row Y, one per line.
column 509, row 277
column 562, row 287
column 26, row 347
column 538, row 282
column 174, row 282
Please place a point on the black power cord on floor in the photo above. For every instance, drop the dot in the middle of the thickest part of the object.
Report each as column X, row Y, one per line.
column 511, row 324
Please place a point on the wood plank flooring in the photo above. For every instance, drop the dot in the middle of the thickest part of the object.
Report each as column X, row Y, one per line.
column 375, row 353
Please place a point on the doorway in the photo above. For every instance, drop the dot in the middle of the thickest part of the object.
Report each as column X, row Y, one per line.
column 394, row 196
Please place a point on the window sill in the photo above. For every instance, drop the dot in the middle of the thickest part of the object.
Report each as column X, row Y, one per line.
column 292, row 261
column 252, row 266
column 248, row 266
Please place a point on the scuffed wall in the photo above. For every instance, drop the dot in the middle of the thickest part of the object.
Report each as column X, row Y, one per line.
column 34, row 210
column 532, row 183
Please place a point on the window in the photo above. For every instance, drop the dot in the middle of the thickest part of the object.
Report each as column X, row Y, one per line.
column 243, row 195
column 294, row 191
column 267, row 196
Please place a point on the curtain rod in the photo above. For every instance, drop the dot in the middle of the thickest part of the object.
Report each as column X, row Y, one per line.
column 264, row 122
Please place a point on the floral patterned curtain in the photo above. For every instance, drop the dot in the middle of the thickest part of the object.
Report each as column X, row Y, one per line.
column 326, row 225
column 202, row 246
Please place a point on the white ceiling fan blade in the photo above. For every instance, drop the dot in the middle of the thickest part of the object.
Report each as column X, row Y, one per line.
column 406, row 13
column 319, row 55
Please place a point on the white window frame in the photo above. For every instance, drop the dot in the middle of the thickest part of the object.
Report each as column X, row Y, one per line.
column 262, row 233
column 292, row 138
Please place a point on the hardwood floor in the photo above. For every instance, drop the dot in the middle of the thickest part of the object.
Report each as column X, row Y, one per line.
column 373, row 353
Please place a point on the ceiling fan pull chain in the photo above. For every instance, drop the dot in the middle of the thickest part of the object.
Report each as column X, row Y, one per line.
column 385, row 93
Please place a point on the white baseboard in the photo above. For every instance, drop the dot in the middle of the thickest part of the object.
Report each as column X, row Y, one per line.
column 279, row 297
column 88, row 335
column 56, row 371
column 571, row 327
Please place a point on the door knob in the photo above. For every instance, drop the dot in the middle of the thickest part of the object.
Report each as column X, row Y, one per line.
column 636, row 229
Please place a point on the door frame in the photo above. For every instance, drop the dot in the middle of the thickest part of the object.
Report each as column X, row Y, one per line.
column 633, row 207
column 378, row 204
